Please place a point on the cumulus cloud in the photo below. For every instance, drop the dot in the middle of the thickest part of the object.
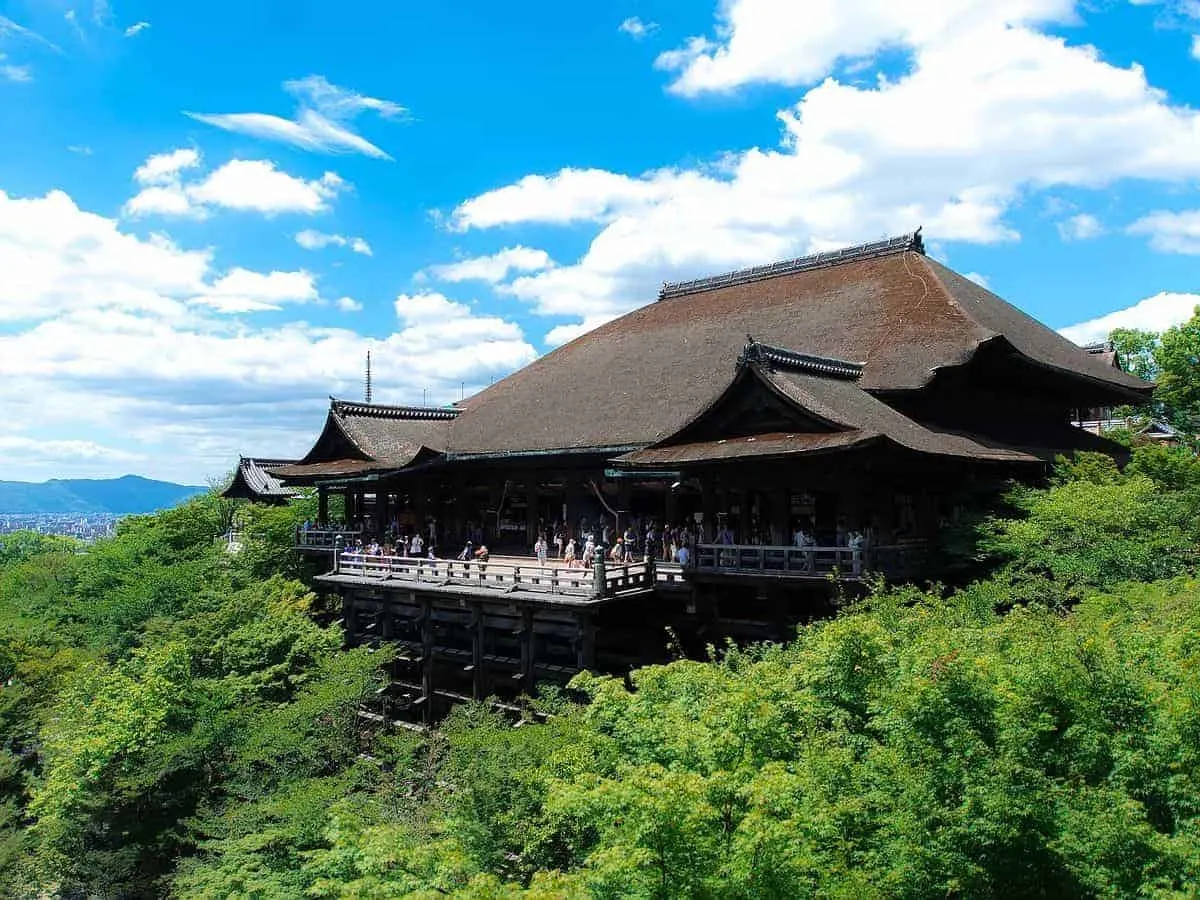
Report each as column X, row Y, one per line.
column 1081, row 227
column 782, row 42
column 637, row 29
column 316, row 240
column 104, row 327
column 321, row 123
column 494, row 268
column 1157, row 313
column 251, row 185
column 1171, row 232
column 989, row 111
column 348, row 304
column 244, row 291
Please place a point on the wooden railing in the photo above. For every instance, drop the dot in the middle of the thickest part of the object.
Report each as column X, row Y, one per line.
column 325, row 538
column 501, row 574
column 808, row 561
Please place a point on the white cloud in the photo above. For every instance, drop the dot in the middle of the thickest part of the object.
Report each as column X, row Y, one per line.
column 1157, row 313
column 243, row 291
column 1080, row 227
column 495, row 268
column 989, row 112
column 321, row 123
column 1196, row 46
column 241, row 184
column 15, row 73
column 1171, row 232
column 64, row 450
column 9, row 28
column 310, row 239
column 782, row 42
column 81, row 149
column 165, row 168
column 637, row 29
column 136, row 29
column 348, row 304
column 564, row 334
column 113, row 339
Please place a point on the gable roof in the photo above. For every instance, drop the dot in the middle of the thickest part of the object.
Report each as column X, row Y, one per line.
column 365, row 437
column 639, row 378
column 254, row 480
column 824, row 394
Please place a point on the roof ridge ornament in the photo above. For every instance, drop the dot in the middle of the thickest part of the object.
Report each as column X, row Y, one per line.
column 777, row 358
column 886, row 247
column 385, row 411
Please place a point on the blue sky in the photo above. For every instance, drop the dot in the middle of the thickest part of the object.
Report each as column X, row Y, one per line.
column 208, row 213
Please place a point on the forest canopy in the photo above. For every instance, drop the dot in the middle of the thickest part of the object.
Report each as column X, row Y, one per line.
column 181, row 721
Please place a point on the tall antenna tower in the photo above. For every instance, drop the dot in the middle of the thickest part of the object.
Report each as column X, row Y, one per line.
column 367, row 381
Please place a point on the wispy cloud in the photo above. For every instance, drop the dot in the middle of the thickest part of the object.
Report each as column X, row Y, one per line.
column 316, row 240
column 136, row 29
column 81, row 149
column 1081, row 227
column 11, row 72
column 321, row 123
column 9, row 27
column 637, row 29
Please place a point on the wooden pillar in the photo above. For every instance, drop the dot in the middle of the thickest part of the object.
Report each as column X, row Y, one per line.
column 781, row 513
column 708, row 505
column 671, row 507
column 322, row 505
column 531, row 509
column 427, row 655
column 349, row 620
column 585, row 645
column 383, row 511
column 478, row 684
column 351, row 512
column 527, row 648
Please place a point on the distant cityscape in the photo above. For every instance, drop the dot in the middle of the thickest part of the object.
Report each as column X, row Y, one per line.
column 85, row 527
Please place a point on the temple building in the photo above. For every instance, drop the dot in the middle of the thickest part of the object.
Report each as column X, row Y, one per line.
column 812, row 419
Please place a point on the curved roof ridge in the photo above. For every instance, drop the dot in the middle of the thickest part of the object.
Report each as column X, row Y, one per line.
column 388, row 411
column 885, row 247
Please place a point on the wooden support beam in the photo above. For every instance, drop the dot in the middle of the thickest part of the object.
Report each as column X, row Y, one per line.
column 527, row 649
column 426, row 651
column 478, row 683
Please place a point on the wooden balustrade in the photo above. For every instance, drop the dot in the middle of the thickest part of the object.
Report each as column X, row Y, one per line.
column 810, row 561
column 325, row 538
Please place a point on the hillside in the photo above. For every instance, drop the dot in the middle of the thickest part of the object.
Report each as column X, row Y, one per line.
column 129, row 494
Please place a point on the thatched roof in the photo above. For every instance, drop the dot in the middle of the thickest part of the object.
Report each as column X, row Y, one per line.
column 637, row 379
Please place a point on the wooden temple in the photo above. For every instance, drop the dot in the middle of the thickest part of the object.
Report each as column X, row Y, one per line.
column 792, row 425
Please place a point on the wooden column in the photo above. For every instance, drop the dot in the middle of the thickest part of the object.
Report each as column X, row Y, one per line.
column 585, row 644
column 527, row 648
column 478, row 684
column 708, row 505
column 427, row 655
column 383, row 511
column 531, row 510
column 322, row 505
column 352, row 508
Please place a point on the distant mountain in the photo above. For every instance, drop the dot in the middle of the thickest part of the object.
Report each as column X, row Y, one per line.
column 129, row 494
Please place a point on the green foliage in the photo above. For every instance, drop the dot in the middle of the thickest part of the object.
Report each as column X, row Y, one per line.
column 1097, row 527
column 1178, row 358
column 176, row 724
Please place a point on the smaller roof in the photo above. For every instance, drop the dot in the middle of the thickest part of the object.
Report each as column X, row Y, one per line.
column 257, row 479
column 825, row 393
column 360, row 438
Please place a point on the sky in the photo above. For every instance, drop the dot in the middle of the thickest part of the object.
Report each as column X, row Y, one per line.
column 209, row 213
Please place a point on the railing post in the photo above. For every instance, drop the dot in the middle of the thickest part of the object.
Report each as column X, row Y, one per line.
column 650, row 572
column 337, row 554
column 599, row 576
